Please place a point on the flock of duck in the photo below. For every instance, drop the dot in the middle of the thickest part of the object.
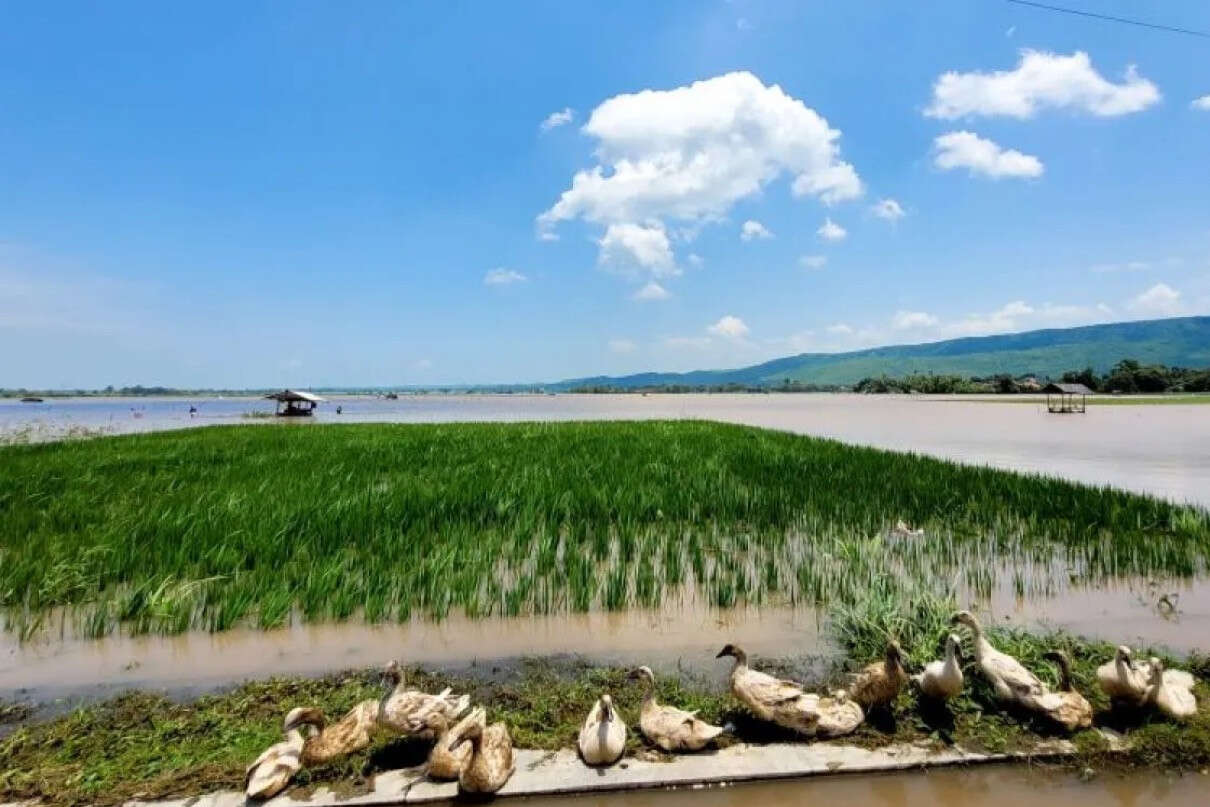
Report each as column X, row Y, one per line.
column 479, row 756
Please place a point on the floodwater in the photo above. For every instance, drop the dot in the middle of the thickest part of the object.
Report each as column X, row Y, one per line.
column 1162, row 450
column 681, row 637
column 987, row 786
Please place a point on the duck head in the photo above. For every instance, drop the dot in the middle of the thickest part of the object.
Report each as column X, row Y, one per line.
column 1064, row 663
column 644, row 674
column 606, row 708
column 733, row 651
column 1157, row 671
column 968, row 619
column 303, row 716
column 953, row 644
column 392, row 674
column 894, row 654
column 1124, row 654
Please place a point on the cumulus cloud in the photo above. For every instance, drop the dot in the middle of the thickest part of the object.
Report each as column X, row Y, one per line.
column 729, row 327
column 908, row 320
column 813, row 261
column 1040, row 81
column 689, row 153
column 556, row 119
column 625, row 246
column 831, row 231
column 503, row 277
column 840, row 329
column 1202, row 103
column 888, row 209
column 754, row 229
column 1160, row 300
column 622, row 346
column 982, row 157
column 652, row 291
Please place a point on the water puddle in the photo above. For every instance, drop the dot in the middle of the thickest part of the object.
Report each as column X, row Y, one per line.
column 987, row 786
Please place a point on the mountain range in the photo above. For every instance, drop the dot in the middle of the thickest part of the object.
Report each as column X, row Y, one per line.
column 1176, row 342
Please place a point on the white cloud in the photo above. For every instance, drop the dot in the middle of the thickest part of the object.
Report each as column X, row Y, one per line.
column 813, row 261
column 729, row 327
column 622, row 346
column 688, row 154
column 840, row 329
column 1160, row 300
column 503, row 277
column 628, row 245
column 907, row 320
column 651, row 291
column 695, row 260
column 754, row 229
column 423, row 364
column 831, row 231
column 555, row 119
column 888, row 209
column 983, row 157
column 1040, row 81
column 1202, row 103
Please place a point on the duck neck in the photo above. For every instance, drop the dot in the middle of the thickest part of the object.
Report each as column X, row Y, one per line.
column 951, row 657
column 1064, row 673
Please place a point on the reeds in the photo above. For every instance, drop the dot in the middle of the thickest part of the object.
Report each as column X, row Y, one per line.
column 224, row 525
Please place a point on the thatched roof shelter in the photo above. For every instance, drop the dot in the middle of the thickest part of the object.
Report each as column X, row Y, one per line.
column 292, row 402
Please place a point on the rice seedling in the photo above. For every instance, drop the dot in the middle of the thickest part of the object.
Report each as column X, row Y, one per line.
column 226, row 525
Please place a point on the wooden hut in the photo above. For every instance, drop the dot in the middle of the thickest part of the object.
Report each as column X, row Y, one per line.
column 1065, row 399
column 295, row 403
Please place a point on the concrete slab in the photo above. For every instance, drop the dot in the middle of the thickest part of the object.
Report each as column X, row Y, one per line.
column 560, row 772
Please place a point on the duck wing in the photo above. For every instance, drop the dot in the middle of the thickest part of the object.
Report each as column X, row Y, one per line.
column 1012, row 673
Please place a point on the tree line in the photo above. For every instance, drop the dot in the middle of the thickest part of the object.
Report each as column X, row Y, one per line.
column 1127, row 376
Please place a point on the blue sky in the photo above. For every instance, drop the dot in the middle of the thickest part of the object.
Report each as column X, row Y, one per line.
column 253, row 194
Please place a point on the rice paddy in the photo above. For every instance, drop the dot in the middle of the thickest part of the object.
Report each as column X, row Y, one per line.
column 214, row 527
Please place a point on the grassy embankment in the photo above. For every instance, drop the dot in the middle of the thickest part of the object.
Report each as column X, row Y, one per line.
column 213, row 527
column 143, row 745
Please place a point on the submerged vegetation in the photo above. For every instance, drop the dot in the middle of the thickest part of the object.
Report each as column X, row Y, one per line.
column 211, row 527
column 144, row 745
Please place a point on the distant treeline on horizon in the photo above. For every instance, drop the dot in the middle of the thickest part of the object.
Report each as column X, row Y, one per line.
column 1127, row 376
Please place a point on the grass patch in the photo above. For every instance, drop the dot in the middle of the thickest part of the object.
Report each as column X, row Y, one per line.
column 218, row 526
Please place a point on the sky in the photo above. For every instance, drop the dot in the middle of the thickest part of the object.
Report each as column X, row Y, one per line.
column 380, row 193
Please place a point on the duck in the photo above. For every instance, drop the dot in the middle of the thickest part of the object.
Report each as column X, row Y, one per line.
column 1066, row 707
column 760, row 692
column 603, row 735
column 670, row 728
column 835, row 714
column 273, row 769
column 1008, row 677
column 351, row 733
column 1167, row 695
column 491, row 762
column 1126, row 681
column 452, row 750
column 943, row 679
column 878, row 684
column 405, row 710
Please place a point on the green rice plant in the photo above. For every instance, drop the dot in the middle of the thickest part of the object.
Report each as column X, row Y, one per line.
column 384, row 521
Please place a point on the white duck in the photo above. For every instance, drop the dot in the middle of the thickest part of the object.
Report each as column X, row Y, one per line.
column 670, row 728
column 273, row 770
column 1126, row 680
column 1008, row 677
column 1174, row 700
column 406, row 710
column 760, row 692
column 942, row 679
column 603, row 735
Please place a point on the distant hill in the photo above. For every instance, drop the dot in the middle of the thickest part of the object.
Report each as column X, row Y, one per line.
column 1179, row 342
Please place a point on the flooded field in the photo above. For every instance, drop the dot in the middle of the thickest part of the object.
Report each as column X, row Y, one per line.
column 680, row 637
column 1008, row 786
column 1161, row 450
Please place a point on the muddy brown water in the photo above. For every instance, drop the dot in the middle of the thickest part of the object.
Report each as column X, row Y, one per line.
column 682, row 636
column 986, row 786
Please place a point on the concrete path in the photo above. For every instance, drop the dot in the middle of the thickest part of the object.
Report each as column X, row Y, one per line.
column 548, row 773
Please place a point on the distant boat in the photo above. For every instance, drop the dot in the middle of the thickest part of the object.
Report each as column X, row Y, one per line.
column 31, row 399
